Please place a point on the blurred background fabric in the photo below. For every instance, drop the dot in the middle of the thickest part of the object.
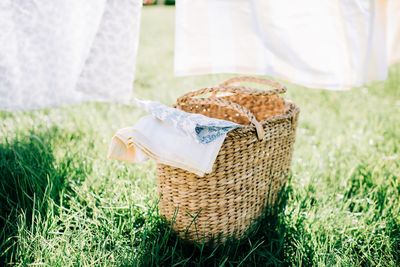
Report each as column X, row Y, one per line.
column 60, row 52
column 393, row 31
column 320, row 44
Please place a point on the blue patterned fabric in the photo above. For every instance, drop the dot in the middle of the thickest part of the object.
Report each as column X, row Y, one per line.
column 201, row 128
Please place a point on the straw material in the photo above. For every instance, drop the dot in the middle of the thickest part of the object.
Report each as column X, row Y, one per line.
column 250, row 170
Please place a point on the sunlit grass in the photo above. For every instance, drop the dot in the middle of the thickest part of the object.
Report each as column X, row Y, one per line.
column 62, row 203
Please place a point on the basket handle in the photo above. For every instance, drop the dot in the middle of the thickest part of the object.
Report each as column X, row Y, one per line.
column 277, row 88
column 188, row 99
column 227, row 86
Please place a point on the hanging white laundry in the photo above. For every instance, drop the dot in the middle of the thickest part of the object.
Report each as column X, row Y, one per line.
column 59, row 52
column 334, row 44
column 393, row 25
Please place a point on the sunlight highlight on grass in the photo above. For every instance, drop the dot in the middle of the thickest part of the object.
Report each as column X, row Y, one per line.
column 62, row 203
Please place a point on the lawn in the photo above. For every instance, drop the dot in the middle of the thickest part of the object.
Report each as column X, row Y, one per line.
column 62, row 203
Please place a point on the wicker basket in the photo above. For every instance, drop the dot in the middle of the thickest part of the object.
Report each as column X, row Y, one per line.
column 250, row 169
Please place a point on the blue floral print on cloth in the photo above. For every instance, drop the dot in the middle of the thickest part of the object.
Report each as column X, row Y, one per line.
column 201, row 128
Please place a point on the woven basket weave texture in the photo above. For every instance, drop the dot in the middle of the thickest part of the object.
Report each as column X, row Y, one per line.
column 249, row 172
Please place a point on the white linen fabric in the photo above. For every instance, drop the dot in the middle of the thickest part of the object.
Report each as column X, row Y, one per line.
column 165, row 143
column 201, row 128
column 67, row 51
column 393, row 25
column 173, row 137
column 334, row 44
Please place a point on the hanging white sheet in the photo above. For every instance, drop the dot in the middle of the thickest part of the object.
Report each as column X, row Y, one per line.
column 332, row 44
column 393, row 27
column 58, row 52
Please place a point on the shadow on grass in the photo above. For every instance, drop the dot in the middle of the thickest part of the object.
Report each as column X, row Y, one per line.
column 264, row 246
column 29, row 178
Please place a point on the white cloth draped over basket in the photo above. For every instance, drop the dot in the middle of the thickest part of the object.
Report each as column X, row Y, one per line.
column 172, row 137
column 59, row 52
column 332, row 44
column 151, row 138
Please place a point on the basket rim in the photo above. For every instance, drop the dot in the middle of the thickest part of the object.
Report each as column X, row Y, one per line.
column 292, row 111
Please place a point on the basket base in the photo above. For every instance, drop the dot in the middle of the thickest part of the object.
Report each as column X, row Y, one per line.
column 194, row 234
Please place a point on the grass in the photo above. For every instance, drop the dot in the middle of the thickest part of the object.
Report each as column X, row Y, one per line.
column 62, row 203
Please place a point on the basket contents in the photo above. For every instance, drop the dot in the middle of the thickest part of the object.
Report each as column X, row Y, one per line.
column 223, row 155
column 173, row 137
